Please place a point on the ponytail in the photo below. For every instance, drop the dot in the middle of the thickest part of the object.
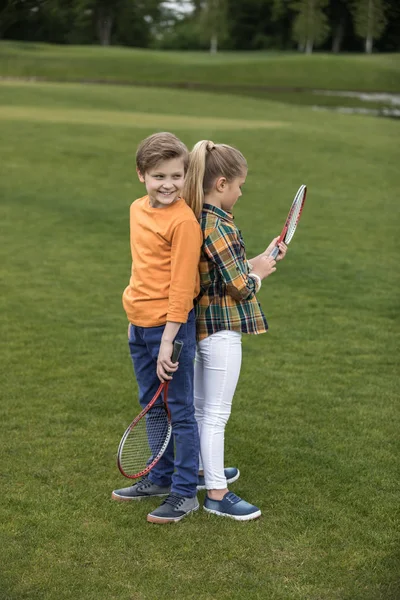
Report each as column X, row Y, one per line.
column 193, row 189
column 207, row 162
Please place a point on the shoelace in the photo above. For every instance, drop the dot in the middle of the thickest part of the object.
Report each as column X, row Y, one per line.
column 144, row 483
column 174, row 501
column 232, row 498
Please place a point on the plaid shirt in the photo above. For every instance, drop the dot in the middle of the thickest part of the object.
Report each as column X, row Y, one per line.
column 227, row 298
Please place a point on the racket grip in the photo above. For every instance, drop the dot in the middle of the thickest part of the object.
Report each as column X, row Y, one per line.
column 275, row 252
column 176, row 351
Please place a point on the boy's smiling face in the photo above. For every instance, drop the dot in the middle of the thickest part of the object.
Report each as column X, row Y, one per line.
column 164, row 182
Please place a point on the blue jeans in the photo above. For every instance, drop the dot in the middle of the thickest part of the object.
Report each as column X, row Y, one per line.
column 144, row 344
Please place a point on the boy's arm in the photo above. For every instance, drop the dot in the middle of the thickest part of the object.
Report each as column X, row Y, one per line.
column 185, row 256
column 164, row 363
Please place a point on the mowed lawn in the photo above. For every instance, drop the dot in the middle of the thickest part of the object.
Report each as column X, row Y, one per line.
column 291, row 70
column 315, row 422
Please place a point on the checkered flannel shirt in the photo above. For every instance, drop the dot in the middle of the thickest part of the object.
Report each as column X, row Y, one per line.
column 227, row 299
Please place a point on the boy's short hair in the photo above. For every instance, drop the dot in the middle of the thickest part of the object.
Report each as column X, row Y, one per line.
column 158, row 147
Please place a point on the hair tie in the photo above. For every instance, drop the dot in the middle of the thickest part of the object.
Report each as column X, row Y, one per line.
column 211, row 146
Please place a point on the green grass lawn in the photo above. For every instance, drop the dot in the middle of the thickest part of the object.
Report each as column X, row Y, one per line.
column 238, row 69
column 315, row 421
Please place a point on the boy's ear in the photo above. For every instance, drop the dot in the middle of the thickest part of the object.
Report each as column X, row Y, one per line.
column 141, row 177
column 220, row 184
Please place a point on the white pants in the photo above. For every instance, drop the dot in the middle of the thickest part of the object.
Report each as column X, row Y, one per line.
column 216, row 373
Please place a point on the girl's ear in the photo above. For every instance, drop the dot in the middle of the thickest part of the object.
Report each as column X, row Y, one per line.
column 220, row 184
column 141, row 177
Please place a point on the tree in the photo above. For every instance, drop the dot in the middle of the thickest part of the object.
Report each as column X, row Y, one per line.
column 369, row 20
column 120, row 19
column 390, row 41
column 13, row 12
column 310, row 26
column 213, row 18
column 256, row 24
column 340, row 20
column 7, row 15
column 102, row 13
column 281, row 21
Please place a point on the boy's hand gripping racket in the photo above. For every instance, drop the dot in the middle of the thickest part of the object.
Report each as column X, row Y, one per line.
column 292, row 219
column 147, row 437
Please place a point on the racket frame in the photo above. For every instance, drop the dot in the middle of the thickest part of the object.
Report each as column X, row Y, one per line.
column 301, row 194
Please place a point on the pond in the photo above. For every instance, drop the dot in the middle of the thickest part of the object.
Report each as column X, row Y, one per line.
column 379, row 104
column 385, row 104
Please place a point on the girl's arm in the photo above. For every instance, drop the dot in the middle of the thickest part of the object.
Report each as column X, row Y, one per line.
column 282, row 251
column 225, row 249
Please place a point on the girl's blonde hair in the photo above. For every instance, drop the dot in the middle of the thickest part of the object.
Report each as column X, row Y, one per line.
column 207, row 162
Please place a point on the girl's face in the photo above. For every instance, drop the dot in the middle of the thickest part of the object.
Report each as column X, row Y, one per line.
column 164, row 182
column 231, row 192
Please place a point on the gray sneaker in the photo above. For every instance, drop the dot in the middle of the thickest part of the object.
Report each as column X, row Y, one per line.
column 142, row 489
column 173, row 509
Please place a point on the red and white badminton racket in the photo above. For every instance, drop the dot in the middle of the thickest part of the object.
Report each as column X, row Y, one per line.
column 147, row 437
column 292, row 219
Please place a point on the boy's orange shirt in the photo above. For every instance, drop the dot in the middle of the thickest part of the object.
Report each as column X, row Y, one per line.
column 165, row 247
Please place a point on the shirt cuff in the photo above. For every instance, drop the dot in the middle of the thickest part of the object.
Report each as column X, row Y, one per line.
column 257, row 281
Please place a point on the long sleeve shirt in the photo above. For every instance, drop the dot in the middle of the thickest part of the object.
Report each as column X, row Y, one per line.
column 227, row 299
column 165, row 247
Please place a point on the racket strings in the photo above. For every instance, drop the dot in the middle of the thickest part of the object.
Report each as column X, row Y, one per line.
column 294, row 219
column 145, row 441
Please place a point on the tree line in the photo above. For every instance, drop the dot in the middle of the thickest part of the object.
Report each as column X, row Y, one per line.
column 305, row 25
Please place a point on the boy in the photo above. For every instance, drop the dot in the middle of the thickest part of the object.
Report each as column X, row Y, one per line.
column 165, row 242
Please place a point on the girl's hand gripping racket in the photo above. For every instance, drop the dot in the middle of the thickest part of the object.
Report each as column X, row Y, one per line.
column 147, row 437
column 292, row 219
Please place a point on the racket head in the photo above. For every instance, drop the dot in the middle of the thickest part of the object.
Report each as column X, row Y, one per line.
column 145, row 441
column 294, row 213
column 147, row 437
column 292, row 219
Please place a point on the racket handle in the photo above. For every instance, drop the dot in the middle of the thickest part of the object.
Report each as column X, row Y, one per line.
column 275, row 252
column 176, row 351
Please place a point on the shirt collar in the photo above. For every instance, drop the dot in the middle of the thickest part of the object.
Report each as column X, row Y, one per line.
column 219, row 212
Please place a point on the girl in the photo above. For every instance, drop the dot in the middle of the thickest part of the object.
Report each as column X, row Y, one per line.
column 225, row 308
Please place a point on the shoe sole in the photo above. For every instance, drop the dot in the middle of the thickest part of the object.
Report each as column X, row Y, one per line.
column 163, row 520
column 115, row 496
column 228, row 481
column 250, row 517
